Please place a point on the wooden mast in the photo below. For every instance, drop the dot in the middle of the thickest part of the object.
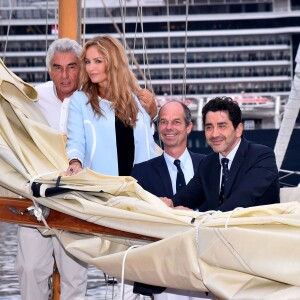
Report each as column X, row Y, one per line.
column 69, row 22
column 69, row 26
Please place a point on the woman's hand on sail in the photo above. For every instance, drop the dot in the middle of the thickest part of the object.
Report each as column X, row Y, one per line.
column 74, row 167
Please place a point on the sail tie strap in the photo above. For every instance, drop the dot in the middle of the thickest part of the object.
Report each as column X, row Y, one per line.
column 37, row 210
column 123, row 269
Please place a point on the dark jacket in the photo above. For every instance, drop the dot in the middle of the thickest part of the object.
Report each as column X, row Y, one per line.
column 153, row 175
column 253, row 180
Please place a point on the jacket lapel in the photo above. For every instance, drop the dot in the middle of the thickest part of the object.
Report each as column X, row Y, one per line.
column 195, row 161
column 164, row 176
column 214, row 189
column 238, row 159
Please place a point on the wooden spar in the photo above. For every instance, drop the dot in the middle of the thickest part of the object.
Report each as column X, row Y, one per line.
column 11, row 208
column 69, row 23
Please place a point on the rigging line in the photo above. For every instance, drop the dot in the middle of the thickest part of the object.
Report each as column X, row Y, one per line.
column 135, row 36
column 169, row 47
column 8, row 30
column 123, row 19
column 46, row 33
column 123, row 16
column 185, row 50
column 139, row 12
column 145, row 56
column 84, row 22
column 56, row 18
column 145, row 53
column 127, row 47
column 146, row 60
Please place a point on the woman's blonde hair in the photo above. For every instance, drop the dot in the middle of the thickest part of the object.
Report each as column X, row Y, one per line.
column 122, row 83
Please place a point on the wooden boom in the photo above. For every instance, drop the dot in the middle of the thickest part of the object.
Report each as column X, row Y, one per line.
column 14, row 210
column 11, row 211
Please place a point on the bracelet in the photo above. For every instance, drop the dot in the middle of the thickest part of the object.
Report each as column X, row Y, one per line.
column 155, row 118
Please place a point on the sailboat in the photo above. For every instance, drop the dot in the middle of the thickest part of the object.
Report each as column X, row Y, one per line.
column 227, row 247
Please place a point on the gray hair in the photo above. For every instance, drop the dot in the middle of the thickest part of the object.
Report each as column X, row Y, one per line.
column 62, row 45
column 186, row 112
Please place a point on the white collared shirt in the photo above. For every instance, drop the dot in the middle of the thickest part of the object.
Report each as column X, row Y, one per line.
column 54, row 110
column 186, row 164
column 230, row 156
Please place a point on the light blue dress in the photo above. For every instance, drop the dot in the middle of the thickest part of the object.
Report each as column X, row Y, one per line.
column 92, row 139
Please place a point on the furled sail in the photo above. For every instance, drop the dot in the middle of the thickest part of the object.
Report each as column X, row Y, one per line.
column 291, row 112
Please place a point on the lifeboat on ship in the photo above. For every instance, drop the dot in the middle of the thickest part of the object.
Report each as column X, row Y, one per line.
column 256, row 107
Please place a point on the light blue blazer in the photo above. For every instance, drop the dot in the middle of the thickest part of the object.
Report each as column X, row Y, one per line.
column 92, row 139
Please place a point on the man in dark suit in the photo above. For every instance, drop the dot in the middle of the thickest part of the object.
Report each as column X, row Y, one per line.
column 251, row 172
column 160, row 176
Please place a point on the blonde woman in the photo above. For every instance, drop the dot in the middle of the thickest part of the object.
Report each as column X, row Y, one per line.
column 108, row 129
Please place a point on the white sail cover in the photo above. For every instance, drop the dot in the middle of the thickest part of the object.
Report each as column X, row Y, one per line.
column 291, row 111
column 248, row 253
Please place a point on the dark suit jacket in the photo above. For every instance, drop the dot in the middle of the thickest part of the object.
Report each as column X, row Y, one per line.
column 253, row 180
column 153, row 175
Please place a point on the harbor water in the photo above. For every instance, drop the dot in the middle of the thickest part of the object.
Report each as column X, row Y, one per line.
column 9, row 285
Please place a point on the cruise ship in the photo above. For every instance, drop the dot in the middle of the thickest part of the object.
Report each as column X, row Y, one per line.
column 191, row 50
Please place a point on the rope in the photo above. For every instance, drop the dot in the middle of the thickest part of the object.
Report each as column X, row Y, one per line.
column 84, row 22
column 145, row 53
column 55, row 17
column 46, row 40
column 206, row 215
column 123, row 269
column 169, row 47
column 135, row 36
column 139, row 15
column 7, row 33
column 230, row 215
column 185, row 50
column 37, row 211
column 123, row 15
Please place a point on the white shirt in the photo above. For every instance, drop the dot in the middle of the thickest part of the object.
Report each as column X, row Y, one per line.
column 54, row 110
column 230, row 156
column 186, row 164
